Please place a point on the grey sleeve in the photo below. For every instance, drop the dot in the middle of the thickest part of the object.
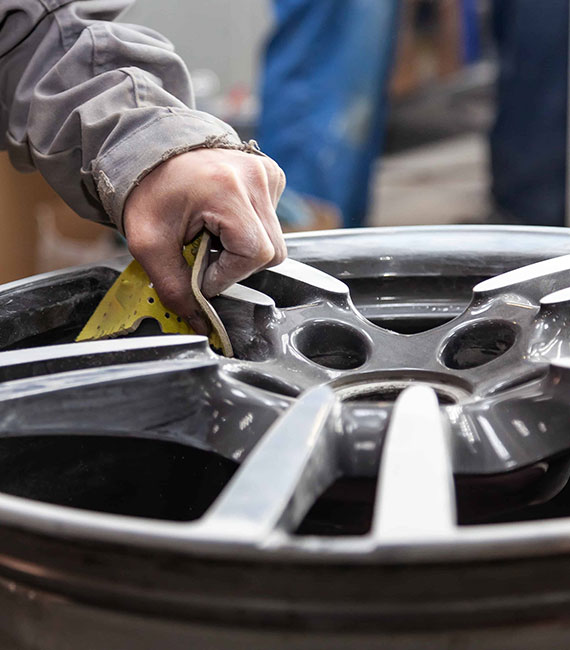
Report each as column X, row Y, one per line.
column 92, row 104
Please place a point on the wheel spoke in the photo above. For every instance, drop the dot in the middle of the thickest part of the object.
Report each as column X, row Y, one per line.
column 513, row 429
column 62, row 358
column 182, row 400
column 533, row 281
column 415, row 498
column 273, row 490
column 293, row 284
column 549, row 338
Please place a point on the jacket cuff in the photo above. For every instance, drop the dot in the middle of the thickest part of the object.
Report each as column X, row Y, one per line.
column 120, row 168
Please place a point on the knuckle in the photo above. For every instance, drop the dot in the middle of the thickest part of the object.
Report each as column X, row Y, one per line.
column 281, row 179
column 265, row 253
column 277, row 179
column 280, row 253
column 256, row 171
column 274, row 170
column 223, row 174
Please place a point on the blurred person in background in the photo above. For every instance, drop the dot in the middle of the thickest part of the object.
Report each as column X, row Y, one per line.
column 324, row 103
column 324, row 99
column 528, row 140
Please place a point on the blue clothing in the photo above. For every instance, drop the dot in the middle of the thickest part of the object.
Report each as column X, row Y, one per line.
column 471, row 46
column 324, row 96
column 528, row 141
column 324, row 100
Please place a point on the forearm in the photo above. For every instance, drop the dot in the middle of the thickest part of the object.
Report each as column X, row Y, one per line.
column 94, row 105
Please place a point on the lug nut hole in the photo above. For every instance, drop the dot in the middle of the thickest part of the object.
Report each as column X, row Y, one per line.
column 332, row 345
column 478, row 344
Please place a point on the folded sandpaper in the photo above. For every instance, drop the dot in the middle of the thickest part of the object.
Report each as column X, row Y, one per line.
column 132, row 298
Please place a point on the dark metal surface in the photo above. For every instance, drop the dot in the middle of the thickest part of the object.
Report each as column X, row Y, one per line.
column 294, row 328
column 399, row 359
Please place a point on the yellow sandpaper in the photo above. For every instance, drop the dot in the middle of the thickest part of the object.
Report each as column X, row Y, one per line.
column 132, row 298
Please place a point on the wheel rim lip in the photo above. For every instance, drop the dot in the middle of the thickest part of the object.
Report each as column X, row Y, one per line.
column 468, row 544
column 521, row 539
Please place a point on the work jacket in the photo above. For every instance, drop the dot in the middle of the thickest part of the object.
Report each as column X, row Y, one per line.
column 94, row 105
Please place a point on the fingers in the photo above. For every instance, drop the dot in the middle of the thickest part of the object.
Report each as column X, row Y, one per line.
column 246, row 248
column 249, row 230
column 171, row 277
column 233, row 194
column 277, row 179
column 262, row 197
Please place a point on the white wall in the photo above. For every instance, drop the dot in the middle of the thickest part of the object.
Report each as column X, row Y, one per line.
column 223, row 35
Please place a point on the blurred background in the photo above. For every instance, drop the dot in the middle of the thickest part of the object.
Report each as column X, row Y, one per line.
column 381, row 113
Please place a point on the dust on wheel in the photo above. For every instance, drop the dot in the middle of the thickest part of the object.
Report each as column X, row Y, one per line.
column 384, row 465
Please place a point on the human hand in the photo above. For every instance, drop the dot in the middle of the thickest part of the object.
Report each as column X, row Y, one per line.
column 233, row 195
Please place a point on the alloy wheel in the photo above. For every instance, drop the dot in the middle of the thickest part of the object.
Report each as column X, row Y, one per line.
column 398, row 411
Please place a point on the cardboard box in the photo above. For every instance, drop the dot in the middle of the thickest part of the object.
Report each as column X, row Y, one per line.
column 39, row 232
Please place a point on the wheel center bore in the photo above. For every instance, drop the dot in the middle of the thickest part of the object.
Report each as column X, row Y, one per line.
column 384, row 388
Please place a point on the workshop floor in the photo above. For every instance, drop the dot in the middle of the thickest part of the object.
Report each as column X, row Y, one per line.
column 441, row 183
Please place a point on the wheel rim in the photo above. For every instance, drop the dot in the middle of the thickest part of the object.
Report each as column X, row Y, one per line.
column 321, row 392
